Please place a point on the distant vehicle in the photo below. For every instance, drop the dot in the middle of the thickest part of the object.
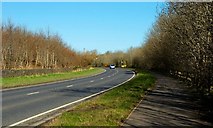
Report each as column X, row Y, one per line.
column 112, row 66
column 123, row 65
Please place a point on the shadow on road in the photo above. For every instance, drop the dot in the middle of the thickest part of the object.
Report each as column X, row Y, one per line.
column 129, row 72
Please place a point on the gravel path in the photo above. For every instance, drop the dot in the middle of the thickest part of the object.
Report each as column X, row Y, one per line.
column 169, row 104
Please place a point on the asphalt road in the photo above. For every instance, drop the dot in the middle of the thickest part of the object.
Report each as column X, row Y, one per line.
column 23, row 103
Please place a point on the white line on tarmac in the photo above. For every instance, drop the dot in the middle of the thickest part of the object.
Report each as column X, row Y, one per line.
column 36, row 85
column 69, row 86
column 32, row 93
column 63, row 106
column 92, row 81
column 102, row 78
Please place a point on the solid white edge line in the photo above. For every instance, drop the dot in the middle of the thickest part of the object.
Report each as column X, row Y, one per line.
column 32, row 93
column 63, row 106
column 35, row 85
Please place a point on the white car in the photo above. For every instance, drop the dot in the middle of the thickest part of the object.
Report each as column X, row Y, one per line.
column 112, row 66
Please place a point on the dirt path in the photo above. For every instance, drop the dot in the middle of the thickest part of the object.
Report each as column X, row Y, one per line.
column 169, row 104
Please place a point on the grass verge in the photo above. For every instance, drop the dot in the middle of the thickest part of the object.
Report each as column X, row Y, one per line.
column 36, row 79
column 108, row 109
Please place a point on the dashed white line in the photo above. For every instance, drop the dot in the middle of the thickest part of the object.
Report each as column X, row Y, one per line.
column 65, row 105
column 32, row 93
column 50, row 82
column 109, row 76
column 92, row 81
column 69, row 86
column 102, row 78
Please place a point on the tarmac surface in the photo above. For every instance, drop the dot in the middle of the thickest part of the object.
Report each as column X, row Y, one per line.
column 20, row 105
column 170, row 103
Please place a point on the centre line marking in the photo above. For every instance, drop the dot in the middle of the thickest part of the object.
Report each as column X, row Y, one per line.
column 102, row 78
column 69, row 86
column 32, row 93
column 71, row 103
column 92, row 81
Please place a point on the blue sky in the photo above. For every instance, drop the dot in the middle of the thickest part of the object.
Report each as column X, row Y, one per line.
column 102, row 26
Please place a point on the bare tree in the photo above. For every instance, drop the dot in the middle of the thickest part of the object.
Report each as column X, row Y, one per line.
column 24, row 49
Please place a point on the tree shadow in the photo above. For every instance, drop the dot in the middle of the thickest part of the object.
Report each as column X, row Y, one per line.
column 169, row 104
column 80, row 92
column 129, row 72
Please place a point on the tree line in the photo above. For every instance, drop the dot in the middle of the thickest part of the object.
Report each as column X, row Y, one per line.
column 179, row 43
column 23, row 49
column 130, row 58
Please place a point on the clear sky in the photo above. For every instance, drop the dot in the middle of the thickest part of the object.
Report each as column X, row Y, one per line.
column 105, row 26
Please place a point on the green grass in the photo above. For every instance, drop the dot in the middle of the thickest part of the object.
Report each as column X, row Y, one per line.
column 110, row 108
column 36, row 79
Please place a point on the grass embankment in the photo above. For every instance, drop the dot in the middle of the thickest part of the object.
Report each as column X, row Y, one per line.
column 110, row 108
column 36, row 79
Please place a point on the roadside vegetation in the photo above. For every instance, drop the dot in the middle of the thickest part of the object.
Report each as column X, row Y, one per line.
column 110, row 108
column 24, row 49
column 36, row 79
column 179, row 43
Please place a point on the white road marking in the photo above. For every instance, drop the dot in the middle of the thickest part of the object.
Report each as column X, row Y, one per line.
column 102, row 78
column 109, row 76
column 92, row 81
column 116, row 72
column 32, row 93
column 36, row 85
column 63, row 106
column 69, row 86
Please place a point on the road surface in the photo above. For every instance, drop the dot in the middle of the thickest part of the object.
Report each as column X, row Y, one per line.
column 24, row 103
